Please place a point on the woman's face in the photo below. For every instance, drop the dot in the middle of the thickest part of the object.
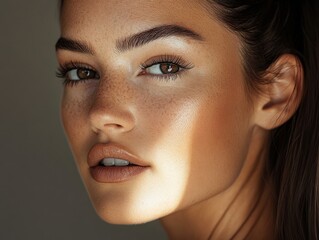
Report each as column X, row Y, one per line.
column 171, row 99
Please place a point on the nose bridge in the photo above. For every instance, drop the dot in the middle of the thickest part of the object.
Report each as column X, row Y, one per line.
column 111, row 106
column 110, row 93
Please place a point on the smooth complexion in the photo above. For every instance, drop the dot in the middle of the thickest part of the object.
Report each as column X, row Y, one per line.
column 202, row 134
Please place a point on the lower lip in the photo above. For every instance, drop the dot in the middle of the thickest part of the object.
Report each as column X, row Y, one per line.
column 115, row 174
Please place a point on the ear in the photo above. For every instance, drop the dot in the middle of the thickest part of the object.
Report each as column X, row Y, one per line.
column 282, row 93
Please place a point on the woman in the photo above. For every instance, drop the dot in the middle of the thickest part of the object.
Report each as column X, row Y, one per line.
column 203, row 114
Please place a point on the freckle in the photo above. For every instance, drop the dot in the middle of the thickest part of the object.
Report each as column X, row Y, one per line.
column 159, row 107
column 116, row 87
column 72, row 108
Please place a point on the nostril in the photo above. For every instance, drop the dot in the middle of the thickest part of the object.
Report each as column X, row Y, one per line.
column 113, row 126
column 108, row 129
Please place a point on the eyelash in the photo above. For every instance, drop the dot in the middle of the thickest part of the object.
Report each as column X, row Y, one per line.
column 63, row 70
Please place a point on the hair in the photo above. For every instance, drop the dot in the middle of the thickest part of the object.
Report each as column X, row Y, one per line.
column 269, row 29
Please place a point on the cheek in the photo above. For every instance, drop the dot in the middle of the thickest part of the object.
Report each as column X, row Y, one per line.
column 218, row 149
column 197, row 143
column 74, row 110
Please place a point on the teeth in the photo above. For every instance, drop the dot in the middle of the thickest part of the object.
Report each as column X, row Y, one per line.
column 121, row 162
column 114, row 162
column 108, row 162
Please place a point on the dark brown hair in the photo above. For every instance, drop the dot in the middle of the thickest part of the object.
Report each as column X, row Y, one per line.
column 268, row 29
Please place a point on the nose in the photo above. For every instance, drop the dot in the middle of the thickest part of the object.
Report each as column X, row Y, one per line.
column 111, row 113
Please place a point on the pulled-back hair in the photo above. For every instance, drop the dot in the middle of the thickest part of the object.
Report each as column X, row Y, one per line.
column 269, row 29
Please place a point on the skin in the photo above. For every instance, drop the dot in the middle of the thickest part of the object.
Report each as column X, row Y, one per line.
column 203, row 134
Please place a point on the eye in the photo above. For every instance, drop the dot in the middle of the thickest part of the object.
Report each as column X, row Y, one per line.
column 163, row 68
column 80, row 74
column 75, row 73
column 166, row 67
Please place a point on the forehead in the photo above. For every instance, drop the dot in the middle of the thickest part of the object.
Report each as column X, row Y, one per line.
column 85, row 17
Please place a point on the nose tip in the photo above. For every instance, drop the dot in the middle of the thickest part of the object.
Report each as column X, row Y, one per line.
column 109, row 118
column 110, row 122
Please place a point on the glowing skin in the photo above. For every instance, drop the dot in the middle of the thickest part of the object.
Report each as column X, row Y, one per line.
column 197, row 132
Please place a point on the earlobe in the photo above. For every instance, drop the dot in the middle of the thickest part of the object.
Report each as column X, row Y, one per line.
column 281, row 95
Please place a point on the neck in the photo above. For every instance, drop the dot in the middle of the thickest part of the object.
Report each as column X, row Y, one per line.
column 244, row 211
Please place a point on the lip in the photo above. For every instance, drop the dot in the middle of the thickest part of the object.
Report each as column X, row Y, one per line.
column 112, row 174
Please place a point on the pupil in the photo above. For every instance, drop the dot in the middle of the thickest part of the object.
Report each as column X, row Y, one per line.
column 167, row 68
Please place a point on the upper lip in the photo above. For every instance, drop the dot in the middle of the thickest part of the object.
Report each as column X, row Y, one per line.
column 101, row 150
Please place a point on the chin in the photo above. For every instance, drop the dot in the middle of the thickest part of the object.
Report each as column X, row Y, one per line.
column 126, row 207
column 124, row 214
column 123, row 219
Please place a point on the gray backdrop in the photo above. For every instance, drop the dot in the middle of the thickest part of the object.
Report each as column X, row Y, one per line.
column 42, row 196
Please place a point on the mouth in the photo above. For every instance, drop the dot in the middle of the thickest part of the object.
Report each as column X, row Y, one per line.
column 109, row 163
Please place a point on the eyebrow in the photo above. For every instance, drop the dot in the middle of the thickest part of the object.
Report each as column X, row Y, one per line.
column 163, row 31
column 133, row 41
column 73, row 45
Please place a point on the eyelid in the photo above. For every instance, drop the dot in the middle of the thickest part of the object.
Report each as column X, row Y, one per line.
column 64, row 68
column 167, row 59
